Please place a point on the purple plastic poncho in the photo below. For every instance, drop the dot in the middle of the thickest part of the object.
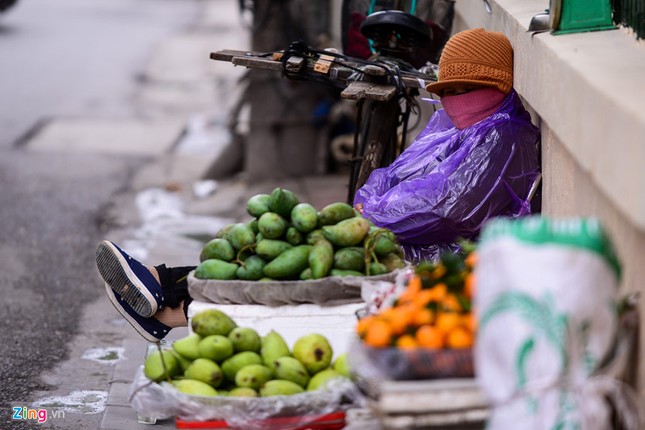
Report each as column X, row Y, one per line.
column 448, row 182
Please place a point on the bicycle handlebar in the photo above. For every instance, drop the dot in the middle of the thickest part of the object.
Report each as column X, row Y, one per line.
column 372, row 79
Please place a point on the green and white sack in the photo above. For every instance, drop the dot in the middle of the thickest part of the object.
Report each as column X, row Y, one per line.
column 547, row 294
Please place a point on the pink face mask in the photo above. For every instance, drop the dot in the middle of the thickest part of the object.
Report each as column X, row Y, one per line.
column 469, row 108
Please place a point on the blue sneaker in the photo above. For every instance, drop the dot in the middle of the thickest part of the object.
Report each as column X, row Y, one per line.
column 129, row 279
column 150, row 328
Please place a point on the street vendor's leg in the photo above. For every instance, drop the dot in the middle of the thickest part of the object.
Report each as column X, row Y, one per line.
column 145, row 290
column 173, row 317
column 174, row 284
column 130, row 285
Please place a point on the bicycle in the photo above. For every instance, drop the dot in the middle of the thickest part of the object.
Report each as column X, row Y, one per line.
column 385, row 86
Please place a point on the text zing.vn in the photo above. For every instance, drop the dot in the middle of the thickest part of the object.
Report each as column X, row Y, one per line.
column 39, row 415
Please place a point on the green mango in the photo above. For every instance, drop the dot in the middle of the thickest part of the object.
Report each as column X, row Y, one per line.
column 280, row 387
column 314, row 351
column 314, row 236
column 245, row 339
column 291, row 369
column 253, row 223
column 194, row 387
column 350, row 258
column 293, row 236
column 269, row 249
column 319, row 380
column 215, row 347
column 258, row 237
column 215, row 269
column 304, row 217
column 271, row 225
column 258, row 205
column 223, row 232
column 218, row 248
column 335, row 213
column 305, row 275
column 183, row 361
column 241, row 235
column 349, row 232
column 321, row 259
column 289, row 264
column 282, row 201
column 231, row 365
column 273, row 346
column 205, row 370
column 188, row 346
column 252, row 268
column 160, row 365
column 392, row 261
column 377, row 268
column 339, row 272
column 243, row 392
column 341, row 365
column 253, row 376
column 212, row 321
column 384, row 243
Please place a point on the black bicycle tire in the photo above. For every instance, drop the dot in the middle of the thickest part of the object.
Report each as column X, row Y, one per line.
column 375, row 146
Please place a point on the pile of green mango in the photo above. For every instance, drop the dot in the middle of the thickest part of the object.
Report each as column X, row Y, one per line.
column 289, row 240
column 220, row 358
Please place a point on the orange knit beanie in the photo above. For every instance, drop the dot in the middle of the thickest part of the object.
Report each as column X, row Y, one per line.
column 475, row 58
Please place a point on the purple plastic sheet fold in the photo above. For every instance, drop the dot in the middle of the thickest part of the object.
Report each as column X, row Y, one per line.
column 449, row 182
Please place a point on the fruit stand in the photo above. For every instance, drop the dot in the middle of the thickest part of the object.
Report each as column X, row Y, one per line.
column 310, row 318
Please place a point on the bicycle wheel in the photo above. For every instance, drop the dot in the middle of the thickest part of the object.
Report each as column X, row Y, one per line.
column 376, row 143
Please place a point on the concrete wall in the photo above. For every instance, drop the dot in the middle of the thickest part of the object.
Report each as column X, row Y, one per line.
column 587, row 91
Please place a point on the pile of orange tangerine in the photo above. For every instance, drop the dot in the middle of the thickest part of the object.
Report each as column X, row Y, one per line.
column 434, row 310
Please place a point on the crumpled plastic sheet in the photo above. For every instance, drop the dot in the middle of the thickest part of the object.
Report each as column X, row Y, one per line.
column 449, row 182
column 327, row 291
column 162, row 401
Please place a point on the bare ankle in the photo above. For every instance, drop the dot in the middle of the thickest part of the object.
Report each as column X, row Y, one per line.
column 172, row 317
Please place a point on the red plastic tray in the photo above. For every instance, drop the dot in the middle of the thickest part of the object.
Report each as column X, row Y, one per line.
column 333, row 421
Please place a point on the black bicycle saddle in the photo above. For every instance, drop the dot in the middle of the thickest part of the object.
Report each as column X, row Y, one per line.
column 411, row 31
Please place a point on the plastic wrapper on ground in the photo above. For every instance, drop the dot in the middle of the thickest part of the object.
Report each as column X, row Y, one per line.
column 163, row 401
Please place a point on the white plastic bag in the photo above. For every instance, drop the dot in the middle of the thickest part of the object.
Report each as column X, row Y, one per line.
column 162, row 400
column 547, row 294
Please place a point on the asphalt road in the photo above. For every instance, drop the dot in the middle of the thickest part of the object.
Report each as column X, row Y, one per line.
column 73, row 57
column 60, row 59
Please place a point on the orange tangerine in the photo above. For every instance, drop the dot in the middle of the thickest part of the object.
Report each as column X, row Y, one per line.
column 460, row 337
column 472, row 259
column 406, row 342
column 407, row 296
column 469, row 321
column 424, row 297
column 414, row 283
column 422, row 316
column 440, row 291
column 429, row 336
column 451, row 303
column 439, row 271
column 363, row 324
column 447, row 321
column 399, row 318
column 469, row 285
column 378, row 334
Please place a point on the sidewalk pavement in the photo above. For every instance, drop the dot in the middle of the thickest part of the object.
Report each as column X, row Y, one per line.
column 181, row 87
